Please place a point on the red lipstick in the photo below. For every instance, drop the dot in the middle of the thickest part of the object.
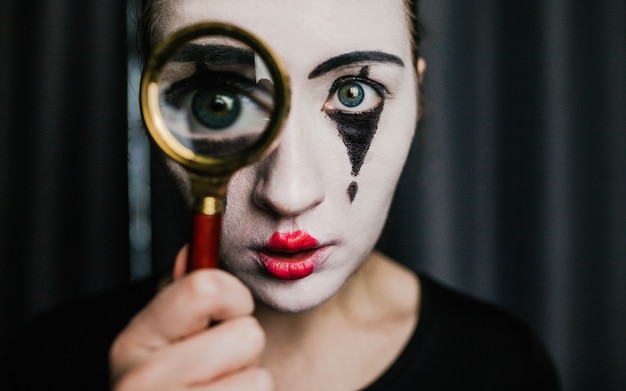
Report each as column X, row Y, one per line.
column 291, row 255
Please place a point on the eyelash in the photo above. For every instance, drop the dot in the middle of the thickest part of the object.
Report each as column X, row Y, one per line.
column 231, row 81
column 359, row 83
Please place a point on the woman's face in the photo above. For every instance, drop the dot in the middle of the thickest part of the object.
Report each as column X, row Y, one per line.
column 300, row 222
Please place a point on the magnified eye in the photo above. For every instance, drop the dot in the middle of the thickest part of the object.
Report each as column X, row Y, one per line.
column 216, row 113
column 354, row 95
column 216, row 110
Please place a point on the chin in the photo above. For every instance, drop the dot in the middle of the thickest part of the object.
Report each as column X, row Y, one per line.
column 294, row 296
column 289, row 306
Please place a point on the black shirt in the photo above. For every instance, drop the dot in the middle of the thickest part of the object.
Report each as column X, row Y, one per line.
column 459, row 344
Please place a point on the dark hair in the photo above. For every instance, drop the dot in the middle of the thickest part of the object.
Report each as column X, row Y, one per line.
column 149, row 9
column 415, row 26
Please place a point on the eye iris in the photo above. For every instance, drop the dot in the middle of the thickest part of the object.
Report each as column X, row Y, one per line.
column 216, row 110
column 351, row 94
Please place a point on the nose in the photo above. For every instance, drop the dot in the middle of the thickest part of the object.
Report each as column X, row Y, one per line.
column 288, row 182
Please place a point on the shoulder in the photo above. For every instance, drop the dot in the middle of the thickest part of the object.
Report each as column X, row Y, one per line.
column 467, row 338
column 446, row 308
column 69, row 345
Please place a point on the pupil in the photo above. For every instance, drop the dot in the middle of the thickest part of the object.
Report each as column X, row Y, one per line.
column 351, row 94
column 215, row 110
column 219, row 104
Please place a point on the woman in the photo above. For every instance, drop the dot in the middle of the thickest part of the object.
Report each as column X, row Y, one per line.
column 304, row 302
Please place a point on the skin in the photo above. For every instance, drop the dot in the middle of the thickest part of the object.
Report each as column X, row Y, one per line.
column 348, row 320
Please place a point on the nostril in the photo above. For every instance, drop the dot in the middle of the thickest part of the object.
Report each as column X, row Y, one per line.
column 259, row 196
column 286, row 200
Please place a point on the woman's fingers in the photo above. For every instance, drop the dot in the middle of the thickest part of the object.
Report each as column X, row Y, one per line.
column 255, row 378
column 165, row 331
column 225, row 348
column 188, row 306
column 224, row 354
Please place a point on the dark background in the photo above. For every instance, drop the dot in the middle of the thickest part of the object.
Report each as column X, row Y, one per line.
column 516, row 191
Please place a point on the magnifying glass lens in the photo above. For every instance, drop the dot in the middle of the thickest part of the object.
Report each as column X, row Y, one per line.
column 216, row 96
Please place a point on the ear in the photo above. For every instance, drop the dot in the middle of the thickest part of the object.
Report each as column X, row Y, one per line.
column 421, row 69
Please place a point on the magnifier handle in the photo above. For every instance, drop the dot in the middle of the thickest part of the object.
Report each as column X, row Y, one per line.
column 206, row 234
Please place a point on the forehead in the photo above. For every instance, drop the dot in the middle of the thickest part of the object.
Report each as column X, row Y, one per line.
column 303, row 32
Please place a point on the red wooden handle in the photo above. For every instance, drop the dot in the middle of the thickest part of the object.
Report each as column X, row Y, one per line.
column 206, row 234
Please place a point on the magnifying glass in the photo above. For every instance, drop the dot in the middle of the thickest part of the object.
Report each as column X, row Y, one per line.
column 213, row 97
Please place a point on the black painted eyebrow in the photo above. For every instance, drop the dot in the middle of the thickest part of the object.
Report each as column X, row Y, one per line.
column 352, row 58
column 215, row 55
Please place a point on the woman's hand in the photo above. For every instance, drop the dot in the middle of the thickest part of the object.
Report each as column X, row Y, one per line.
column 169, row 346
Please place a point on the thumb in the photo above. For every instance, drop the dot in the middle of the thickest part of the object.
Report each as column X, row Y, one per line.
column 180, row 265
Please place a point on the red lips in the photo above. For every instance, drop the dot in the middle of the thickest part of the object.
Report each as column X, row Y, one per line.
column 291, row 255
column 290, row 242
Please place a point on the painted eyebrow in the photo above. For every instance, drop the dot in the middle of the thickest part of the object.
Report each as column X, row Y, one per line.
column 215, row 55
column 352, row 58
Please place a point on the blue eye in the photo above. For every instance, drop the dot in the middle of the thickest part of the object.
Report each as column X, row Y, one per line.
column 351, row 94
column 215, row 113
column 354, row 95
column 216, row 110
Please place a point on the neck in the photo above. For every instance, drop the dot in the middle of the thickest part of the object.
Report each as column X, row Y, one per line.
column 364, row 298
column 370, row 317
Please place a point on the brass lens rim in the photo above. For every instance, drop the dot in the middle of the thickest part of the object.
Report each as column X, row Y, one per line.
column 162, row 136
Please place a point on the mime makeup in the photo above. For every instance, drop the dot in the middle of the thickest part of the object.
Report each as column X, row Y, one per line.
column 357, row 130
column 352, row 189
column 329, row 179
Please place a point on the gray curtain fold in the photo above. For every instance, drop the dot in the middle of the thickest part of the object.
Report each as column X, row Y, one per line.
column 63, row 192
column 515, row 190
column 518, row 193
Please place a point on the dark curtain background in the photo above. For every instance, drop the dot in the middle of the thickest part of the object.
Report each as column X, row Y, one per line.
column 519, row 193
column 515, row 191
column 63, row 174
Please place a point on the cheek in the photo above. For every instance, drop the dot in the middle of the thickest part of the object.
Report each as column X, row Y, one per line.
column 239, row 215
column 181, row 178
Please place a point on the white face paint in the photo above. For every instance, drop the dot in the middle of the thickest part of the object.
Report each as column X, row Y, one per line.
column 299, row 223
